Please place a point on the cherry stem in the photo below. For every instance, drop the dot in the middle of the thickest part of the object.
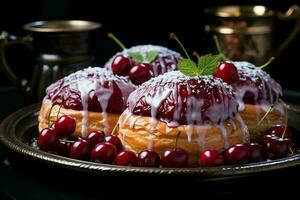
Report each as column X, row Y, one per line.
column 177, row 138
column 267, row 63
column 283, row 134
column 265, row 115
column 173, row 36
column 291, row 150
column 115, row 128
column 58, row 112
column 49, row 114
column 219, row 47
column 67, row 141
column 113, row 37
column 196, row 54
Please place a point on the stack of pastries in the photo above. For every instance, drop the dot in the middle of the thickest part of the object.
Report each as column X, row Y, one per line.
column 197, row 113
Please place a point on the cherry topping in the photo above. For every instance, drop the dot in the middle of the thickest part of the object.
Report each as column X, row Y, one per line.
column 104, row 152
column 80, row 150
column 121, row 65
column 276, row 147
column 140, row 73
column 227, row 72
column 211, row 158
column 65, row 126
column 174, row 158
column 148, row 158
column 115, row 141
column 237, row 154
column 278, row 130
column 47, row 139
column 95, row 137
column 254, row 152
column 126, row 158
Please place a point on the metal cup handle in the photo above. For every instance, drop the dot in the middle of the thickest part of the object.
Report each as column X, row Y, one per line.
column 5, row 41
column 293, row 13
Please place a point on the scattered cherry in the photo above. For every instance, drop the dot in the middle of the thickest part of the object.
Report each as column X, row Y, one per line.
column 121, row 65
column 237, row 154
column 227, row 72
column 254, row 152
column 104, row 152
column 80, row 150
column 278, row 130
column 47, row 139
column 95, row 137
column 211, row 158
column 63, row 148
column 115, row 141
column 126, row 158
column 148, row 158
column 276, row 147
column 140, row 73
column 174, row 158
column 65, row 126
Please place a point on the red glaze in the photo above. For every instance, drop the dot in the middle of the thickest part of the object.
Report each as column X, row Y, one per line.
column 211, row 158
column 174, row 97
column 99, row 82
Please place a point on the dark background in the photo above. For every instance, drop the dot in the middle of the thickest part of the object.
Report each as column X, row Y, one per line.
column 141, row 22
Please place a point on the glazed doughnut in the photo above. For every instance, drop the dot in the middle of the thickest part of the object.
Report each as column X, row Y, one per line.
column 203, row 109
column 94, row 97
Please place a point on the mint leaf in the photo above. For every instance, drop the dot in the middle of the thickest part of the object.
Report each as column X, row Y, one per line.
column 150, row 56
column 136, row 56
column 207, row 64
column 188, row 67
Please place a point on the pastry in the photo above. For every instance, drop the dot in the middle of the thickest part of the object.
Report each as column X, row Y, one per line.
column 142, row 62
column 201, row 109
column 94, row 97
column 258, row 96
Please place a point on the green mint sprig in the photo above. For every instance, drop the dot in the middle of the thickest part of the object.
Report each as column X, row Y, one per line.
column 149, row 57
column 206, row 65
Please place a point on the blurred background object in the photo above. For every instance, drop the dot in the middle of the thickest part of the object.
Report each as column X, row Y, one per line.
column 139, row 23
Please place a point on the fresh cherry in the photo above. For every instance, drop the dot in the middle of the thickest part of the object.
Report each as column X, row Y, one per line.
column 65, row 126
column 140, row 73
column 227, row 72
column 211, row 158
column 174, row 158
column 278, row 130
column 115, row 141
column 47, row 139
column 95, row 137
column 276, row 147
column 121, row 65
column 126, row 158
column 148, row 158
column 63, row 148
column 80, row 150
column 237, row 154
column 104, row 152
column 254, row 152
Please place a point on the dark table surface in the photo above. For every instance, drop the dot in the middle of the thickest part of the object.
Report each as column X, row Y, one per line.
column 22, row 178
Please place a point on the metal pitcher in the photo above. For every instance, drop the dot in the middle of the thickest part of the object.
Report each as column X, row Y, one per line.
column 61, row 47
column 246, row 32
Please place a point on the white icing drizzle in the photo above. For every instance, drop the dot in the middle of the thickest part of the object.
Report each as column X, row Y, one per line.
column 246, row 136
column 132, row 123
column 224, row 134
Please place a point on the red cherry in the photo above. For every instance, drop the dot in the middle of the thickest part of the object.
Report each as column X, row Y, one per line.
column 115, row 141
column 65, row 126
column 227, row 72
column 126, row 158
column 237, row 154
column 121, row 65
column 278, row 130
column 104, row 152
column 63, row 148
column 276, row 147
column 140, row 73
column 148, row 158
column 254, row 152
column 95, row 137
column 47, row 139
column 211, row 158
column 80, row 150
column 174, row 158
